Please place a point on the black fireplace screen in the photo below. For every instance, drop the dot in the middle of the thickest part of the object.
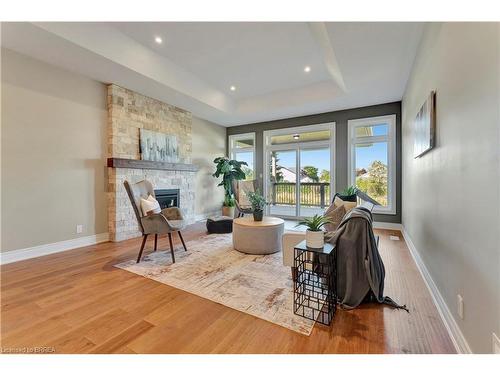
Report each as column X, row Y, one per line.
column 168, row 197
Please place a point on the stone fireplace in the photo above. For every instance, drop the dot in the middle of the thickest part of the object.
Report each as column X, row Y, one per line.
column 128, row 112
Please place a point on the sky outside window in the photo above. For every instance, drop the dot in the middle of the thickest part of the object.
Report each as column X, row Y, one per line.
column 246, row 156
column 367, row 154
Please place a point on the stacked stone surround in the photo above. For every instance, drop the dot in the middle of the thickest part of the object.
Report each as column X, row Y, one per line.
column 128, row 112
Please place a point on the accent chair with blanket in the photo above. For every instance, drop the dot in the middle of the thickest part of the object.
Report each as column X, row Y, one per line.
column 152, row 219
column 335, row 212
column 360, row 269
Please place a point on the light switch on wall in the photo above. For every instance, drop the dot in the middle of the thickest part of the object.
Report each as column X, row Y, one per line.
column 79, row 228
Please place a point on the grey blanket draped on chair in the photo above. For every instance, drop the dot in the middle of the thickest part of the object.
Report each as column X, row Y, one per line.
column 360, row 269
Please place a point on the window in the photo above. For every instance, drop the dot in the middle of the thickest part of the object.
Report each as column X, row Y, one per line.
column 372, row 160
column 242, row 148
column 299, row 169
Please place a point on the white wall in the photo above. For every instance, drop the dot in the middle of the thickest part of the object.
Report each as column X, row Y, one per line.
column 53, row 153
column 209, row 142
column 451, row 204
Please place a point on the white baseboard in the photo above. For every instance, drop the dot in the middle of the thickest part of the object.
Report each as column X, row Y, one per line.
column 496, row 343
column 56, row 247
column 456, row 335
column 382, row 225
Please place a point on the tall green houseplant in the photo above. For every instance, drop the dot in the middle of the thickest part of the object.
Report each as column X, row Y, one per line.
column 229, row 170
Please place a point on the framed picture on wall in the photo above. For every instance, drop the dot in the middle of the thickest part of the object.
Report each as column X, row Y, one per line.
column 155, row 146
column 424, row 126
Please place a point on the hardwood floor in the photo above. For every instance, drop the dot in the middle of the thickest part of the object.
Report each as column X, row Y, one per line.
column 77, row 302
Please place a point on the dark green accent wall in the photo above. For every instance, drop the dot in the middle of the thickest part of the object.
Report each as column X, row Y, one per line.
column 340, row 118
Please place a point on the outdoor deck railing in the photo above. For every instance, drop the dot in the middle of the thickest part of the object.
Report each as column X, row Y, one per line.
column 316, row 194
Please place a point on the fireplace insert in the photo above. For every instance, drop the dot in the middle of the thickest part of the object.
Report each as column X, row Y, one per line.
column 167, row 197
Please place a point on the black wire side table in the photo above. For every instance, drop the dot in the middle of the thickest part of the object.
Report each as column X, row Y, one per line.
column 315, row 287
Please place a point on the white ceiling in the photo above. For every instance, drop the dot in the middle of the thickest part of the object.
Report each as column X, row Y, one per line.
column 352, row 64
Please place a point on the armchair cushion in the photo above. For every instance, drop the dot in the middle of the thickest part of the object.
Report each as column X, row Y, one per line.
column 158, row 223
column 335, row 214
column 173, row 213
column 177, row 224
column 150, row 204
column 347, row 205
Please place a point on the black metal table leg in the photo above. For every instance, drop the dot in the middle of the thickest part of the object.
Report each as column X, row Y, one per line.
column 314, row 293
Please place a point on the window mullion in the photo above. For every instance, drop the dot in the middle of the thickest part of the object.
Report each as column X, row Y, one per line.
column 382, row 138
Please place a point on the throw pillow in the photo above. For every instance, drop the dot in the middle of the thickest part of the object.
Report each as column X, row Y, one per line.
column 347, row 205
column 150, row 204
column 335, row 214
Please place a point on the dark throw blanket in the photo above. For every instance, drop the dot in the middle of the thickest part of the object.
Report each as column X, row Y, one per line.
column 360, row 270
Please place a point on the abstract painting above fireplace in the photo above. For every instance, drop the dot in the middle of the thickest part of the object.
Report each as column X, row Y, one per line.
column 156, row 146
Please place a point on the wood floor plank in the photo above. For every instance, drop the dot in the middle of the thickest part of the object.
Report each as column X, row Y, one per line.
column 118, row 343
column 78, row 302
column 97, row 331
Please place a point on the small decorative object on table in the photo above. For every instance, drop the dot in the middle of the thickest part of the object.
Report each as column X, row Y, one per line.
column 258, row 203
column 315, row 287
column 315, row 236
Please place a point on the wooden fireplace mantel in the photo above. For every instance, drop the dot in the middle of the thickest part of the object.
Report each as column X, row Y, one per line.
column 147, row 164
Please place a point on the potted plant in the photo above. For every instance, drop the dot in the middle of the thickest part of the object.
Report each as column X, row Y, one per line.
column 258, row 203
column 315, row 236
column 229, row 170
column 348, row 194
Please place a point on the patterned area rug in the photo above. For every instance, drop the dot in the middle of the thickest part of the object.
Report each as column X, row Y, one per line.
column 212, row 269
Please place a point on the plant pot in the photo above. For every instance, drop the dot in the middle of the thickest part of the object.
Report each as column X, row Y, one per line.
column 348, row 198
column 257, row 215
column 228, row 211
column 315, row 239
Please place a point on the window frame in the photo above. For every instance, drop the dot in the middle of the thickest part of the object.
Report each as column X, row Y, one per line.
column 390, row 138
column 297, row 146
column 233, row 150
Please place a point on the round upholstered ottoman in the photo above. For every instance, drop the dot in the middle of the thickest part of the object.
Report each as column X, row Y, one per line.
column 220, row 224
column 258, row 237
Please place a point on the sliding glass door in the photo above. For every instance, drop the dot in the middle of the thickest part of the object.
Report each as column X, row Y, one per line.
column 298, row 170
column 315, row 180
column 282, row 182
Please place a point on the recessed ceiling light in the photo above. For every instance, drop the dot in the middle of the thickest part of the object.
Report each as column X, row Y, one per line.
column 232, row 88
column 158, row 40
column 307, row 69
column 296, row 136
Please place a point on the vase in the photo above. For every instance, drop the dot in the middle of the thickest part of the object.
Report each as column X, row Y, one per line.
column 257, row 215
column 228, row 211
column 315, row 239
